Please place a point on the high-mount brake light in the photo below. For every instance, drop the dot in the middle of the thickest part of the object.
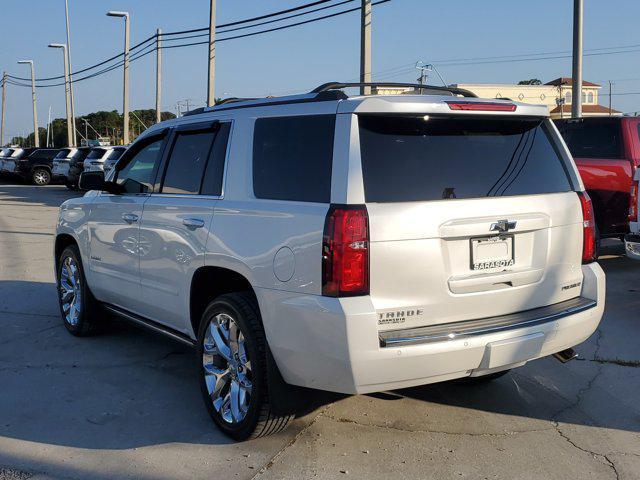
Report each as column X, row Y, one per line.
column 345, row 251
column 483, row 106
column 588, row 228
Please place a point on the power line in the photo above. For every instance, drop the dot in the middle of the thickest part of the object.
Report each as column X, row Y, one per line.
column 153, row 37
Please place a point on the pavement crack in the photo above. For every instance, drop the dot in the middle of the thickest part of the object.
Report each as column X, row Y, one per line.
column 604, row 458
column 617, row 361
column 290, row 443
column 441, row 432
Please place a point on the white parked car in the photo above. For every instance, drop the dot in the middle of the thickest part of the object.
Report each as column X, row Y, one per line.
column 9, row 161
column 350, row 244
column 100, row 157
column 4, row 152
column 61, row 162
column 632, row 239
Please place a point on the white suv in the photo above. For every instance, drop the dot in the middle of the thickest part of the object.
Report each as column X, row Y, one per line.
column 100, row 157
column 350, row 244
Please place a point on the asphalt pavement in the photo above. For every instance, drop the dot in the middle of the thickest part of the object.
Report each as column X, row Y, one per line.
column 126, row 404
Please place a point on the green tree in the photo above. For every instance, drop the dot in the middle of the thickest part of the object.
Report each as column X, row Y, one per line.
column 531, row 81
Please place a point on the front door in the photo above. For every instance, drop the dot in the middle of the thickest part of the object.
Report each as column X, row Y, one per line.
column 114, row 228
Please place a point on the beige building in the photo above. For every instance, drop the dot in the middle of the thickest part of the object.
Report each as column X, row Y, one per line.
column 556, row 95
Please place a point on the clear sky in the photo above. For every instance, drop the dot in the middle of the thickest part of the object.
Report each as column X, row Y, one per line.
column 299, row 58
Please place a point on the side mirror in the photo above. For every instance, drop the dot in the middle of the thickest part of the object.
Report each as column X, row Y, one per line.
column 95, row 181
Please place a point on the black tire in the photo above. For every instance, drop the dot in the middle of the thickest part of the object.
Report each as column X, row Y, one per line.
column 41, row 177
column 485, row 378
column 260, row 419
column 71, row 187
column 90, row 313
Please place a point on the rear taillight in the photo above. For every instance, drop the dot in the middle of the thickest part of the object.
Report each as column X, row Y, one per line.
column 483, row 106
column 588, row 229
column 345, row 251
column 633, row 202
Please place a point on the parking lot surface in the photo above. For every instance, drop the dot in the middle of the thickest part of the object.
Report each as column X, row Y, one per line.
column 126, row 404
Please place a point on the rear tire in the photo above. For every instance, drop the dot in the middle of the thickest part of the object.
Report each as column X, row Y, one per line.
column 79, row 309
column 71, row 187
column 233, row 358
column 41, row 177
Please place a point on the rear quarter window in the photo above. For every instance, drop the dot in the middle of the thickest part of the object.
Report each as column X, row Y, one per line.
column 596, row 138
column 416, row 158
column 292, row 158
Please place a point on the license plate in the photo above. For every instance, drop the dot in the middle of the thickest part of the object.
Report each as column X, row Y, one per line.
column 495, row 252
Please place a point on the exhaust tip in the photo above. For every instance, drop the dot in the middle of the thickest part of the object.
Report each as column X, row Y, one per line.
column 565, row 355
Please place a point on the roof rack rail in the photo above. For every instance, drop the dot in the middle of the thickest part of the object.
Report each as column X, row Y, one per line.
column 416, row 86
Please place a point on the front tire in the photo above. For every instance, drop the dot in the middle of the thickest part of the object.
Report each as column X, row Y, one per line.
column 78, row 307
column 233, row 356
column 41, row 177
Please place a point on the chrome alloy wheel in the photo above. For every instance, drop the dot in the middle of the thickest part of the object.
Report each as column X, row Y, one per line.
column 41, row 177
column 227, row 368
column 70, row 291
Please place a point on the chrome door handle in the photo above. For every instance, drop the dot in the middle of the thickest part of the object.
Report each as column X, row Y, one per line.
column 130, row 217
column 193, row 223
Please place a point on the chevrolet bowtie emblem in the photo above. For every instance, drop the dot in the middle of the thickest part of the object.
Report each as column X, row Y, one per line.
column 502, row 226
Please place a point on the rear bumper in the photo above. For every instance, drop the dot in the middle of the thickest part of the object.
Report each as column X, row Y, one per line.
column 632, row 245
column 334, row 344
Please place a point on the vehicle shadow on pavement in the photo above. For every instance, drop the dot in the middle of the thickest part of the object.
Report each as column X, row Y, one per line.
column 128, row 388
column 12, row 190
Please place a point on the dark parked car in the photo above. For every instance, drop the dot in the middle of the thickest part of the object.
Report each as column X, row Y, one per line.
column 607, row 152
column 35, row 165
column 76, row 167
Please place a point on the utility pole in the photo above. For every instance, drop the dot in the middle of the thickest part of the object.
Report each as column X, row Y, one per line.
column 365, row 46
column 4, row 105
column 36, row 136
column 70, row 131
column 576, row 106
column 211, row 98
column 125, row 90
column 158, row 75
column 48, row 126
column 610, row 97
column 73, row 104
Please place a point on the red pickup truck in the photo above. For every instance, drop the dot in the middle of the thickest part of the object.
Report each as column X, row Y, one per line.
column 607, row 152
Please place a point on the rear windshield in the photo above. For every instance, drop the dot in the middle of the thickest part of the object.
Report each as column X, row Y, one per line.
column 421, row 158
column 96, row 153
column 81, row 154
column 63, row 153
column 115, row 154
column 592, row 138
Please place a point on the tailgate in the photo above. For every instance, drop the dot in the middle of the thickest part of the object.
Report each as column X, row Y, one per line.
column 469, row 218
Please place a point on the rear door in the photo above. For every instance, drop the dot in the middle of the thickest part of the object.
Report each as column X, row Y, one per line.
column 176, row 221
column 470, row 217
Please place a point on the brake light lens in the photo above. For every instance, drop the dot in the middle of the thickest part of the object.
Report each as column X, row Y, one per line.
column 589, row 229
column 345, row 251
column 483, row 106
column 633, row 202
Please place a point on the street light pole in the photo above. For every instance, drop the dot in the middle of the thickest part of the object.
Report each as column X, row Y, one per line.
column 4, row 106
column 576, row 94
column 365, row 46
column 73, row 104
column 125, row 89
column 70, row 132
column 158, row 75
column 36, row 136
column 211, row 98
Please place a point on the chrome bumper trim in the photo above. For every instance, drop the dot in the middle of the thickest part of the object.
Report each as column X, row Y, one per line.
column 454, row 331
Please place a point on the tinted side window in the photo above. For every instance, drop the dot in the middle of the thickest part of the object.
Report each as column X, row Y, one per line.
column 601, row 138
column 408, row 158
column 138, row 174
column 212, row 184
column 116, row 153
column 292, row 158
column 187, row 162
